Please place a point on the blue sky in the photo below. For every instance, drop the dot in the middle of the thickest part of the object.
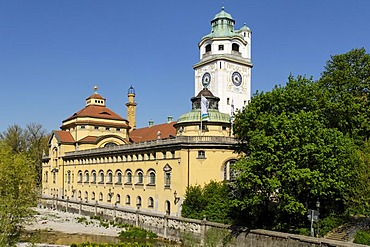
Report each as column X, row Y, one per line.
column 52, row 52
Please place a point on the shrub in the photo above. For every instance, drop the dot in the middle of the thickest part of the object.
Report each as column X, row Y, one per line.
column 362, row 237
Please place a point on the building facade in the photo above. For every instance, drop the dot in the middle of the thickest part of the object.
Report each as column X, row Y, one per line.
column 225, row 63
column 98, row 156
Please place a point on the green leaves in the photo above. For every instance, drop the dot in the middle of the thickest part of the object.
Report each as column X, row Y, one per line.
column 299, row 144
column 17, row 192
column 212, row 201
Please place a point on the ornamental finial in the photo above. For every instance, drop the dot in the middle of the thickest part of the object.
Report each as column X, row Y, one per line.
column 96, row 89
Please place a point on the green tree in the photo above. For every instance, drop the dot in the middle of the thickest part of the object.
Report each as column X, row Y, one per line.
column 346, row 84
column 212, row 201
column 14, row 137
column 17, row 192
column 194, row 203
column 36, row 140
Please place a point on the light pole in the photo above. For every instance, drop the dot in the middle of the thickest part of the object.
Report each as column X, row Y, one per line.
column 318, row 215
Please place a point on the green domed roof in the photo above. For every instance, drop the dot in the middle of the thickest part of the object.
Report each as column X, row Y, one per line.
column 194, row 116
column 222, row 14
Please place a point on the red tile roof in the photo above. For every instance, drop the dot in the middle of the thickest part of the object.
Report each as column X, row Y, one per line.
column 88, row 139
column 95, row 96
column 64, row 136
column 96, row 111
column 150, row 133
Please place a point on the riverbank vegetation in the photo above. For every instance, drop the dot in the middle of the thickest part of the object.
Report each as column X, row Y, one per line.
column 20, row 173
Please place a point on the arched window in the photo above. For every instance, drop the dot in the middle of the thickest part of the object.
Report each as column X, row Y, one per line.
column 86, row 176
column 167, row 207
column 86, row 195
column 228, row 173
column 79, row 176
column 109, row 197
column 46, row 177
column 150, row 202
column 208, row 48
column 138, row 201
column 100, row 196
column 151, row 178
column 128, row 177
column 93, row 176
column 101, row 175
column 128, row 200
column 110, row 144
column 110, row 177
column 118, row 199
column 92, row 195
column 79, row 194
column 140, row 179
column 119, row 177
column 235, row 47
column 69, row 177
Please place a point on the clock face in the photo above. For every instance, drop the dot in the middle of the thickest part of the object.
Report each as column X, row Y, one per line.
column 206, row 79
column 237, row 78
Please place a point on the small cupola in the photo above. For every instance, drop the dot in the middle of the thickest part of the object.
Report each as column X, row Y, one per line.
column 95, row 98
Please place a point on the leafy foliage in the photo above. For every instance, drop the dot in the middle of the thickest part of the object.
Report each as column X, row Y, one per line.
column 362, row 237
column 302, row 144
column 134, row 232
column 17, row 192
column 212, row 201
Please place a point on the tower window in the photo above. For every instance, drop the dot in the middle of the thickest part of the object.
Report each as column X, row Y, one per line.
column 228, row 101
column 235, row 47
column 221, row 47
column 208, row 48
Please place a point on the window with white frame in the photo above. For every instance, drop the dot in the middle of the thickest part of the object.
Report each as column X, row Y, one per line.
column 93, row 177
column 119, row 177
column 128, row 177
column 140, row 177
column 128, row 200
column 138, row 201
column 150, row 202
column 167, row 169
column 228, row 173
column 110, row 177
column 101, row 176
column 79, row 176
column 151, row 178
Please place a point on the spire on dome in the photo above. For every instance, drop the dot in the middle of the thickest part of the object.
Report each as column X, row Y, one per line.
column 96, row 89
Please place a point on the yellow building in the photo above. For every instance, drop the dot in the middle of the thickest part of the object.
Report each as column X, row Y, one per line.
column 100, row 156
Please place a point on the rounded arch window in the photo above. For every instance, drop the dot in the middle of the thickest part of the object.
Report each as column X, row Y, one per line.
column 150, row 202
column 151, row 177
column 128, row 176
column 138, row 201
column 208, row 48
column 110, row 144
column 79, row 176
column 110, row 176
column 235, row 47
column 128, row 200
column 118, row 199
column 119, row 177
column 227, row 172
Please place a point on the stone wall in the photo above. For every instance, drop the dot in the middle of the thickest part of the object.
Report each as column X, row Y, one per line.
column 195, row 232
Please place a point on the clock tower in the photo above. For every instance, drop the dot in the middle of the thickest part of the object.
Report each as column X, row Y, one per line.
column 225, row 63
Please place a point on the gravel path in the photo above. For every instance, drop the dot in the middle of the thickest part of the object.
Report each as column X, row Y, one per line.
column 48, row 219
